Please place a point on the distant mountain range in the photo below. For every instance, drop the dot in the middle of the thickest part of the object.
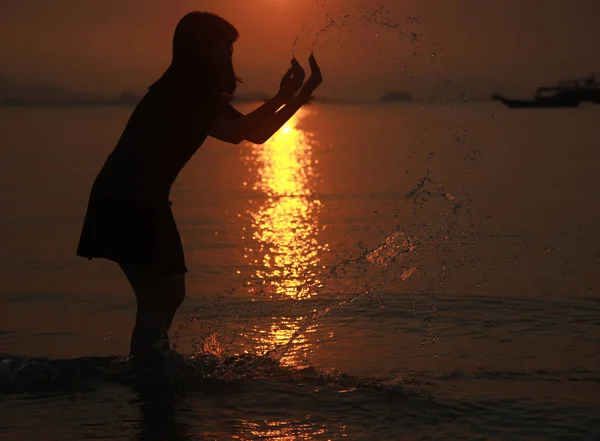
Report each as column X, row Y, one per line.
column 397, row 97
column 17, row 93
column 255, row 96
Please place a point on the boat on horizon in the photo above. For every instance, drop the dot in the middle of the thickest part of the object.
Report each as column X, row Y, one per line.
column 568, row 93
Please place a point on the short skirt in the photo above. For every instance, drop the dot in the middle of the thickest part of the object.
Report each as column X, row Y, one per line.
column 132, row 233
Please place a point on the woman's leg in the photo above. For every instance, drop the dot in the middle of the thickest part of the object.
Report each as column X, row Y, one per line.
column 158, row 297
column 176, row 287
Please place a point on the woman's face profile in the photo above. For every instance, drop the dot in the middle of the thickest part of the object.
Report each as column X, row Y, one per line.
column 221, row 57
column 221, row 64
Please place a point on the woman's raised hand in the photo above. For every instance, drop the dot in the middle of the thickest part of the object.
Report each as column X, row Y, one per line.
column 292, row 81
column 315, row 79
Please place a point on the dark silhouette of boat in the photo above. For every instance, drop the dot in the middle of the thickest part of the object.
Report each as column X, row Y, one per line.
column 569, row 93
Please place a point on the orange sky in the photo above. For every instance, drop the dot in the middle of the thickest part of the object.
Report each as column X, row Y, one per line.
column 113, row 45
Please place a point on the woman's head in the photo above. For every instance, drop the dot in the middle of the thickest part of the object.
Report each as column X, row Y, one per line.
column 203, row 47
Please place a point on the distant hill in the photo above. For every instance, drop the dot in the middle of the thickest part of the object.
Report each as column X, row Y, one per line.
column 17, row 93
column 254, row 96
column 397, row 97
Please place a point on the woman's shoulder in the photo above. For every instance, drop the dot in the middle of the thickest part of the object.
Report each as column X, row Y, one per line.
column 180, row 99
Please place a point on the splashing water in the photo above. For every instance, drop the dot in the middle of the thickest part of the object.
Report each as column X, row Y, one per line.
column 396, row 259
column 409, row 54
column 285, row 230
column 375, row 268
column 305, row 24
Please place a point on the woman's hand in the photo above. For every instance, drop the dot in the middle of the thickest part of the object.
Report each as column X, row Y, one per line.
column 315, row 79
column 291, row 81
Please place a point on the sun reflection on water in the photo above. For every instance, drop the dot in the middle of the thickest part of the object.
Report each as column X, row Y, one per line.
column 285, row 227
column 280, row 430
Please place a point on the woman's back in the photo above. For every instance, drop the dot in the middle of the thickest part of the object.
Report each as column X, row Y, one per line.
column 164, row 131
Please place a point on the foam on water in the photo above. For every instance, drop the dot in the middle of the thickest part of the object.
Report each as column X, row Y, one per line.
column 43, row 375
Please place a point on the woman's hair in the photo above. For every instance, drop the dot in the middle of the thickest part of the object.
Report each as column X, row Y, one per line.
column 197, row 31
column 197, row 35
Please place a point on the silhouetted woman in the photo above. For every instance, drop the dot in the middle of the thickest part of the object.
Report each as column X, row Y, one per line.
column 129, row 218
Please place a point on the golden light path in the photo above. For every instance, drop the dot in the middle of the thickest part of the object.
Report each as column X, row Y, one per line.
column 286, row 226
column 286, row 230
column 281, row 430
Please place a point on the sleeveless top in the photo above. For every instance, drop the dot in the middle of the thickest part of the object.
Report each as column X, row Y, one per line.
column 164, row 131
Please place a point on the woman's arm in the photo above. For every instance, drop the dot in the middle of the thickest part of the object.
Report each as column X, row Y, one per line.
column 259, row 132
column 269, row 108
column 231, row 126
column 258, row 126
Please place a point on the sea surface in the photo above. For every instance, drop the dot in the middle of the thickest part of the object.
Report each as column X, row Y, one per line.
column 373, row 272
